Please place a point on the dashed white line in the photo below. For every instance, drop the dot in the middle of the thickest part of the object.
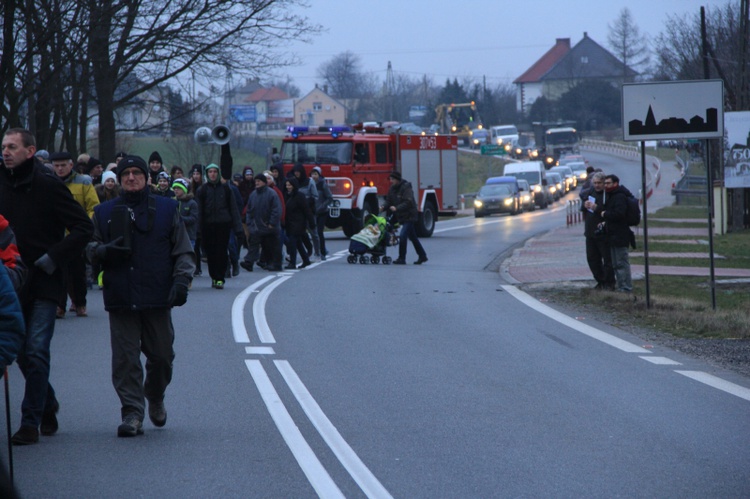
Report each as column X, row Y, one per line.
column 348, row 458
column 661, row 361
column 259, row 311
column 718, row 383
column 238, row 310
column 316, row 474
column 259, row 350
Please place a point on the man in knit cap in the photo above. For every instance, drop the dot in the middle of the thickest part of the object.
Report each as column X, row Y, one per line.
column 155, row 166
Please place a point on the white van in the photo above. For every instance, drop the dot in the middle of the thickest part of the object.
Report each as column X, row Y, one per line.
column 534, row 173
column 503, row 134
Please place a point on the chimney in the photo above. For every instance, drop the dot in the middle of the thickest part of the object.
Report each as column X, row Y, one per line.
column 585, row 34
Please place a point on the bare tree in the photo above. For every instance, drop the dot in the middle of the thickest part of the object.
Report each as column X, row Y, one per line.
column 627, row 42
column 344, row 78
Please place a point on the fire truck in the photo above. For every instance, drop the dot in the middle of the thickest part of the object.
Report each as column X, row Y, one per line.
column 357, row 161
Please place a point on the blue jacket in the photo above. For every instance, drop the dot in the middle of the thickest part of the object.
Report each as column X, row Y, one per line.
column 160, row 251
column 12, row 328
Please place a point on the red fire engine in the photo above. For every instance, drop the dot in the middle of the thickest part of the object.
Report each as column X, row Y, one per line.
column 356, row 163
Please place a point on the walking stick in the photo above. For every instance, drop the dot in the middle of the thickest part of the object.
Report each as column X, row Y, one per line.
column 7, row 421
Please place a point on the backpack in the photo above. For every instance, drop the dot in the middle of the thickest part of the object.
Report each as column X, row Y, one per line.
column 633, row 213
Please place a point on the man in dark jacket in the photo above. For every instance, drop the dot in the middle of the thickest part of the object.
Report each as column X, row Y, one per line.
column 39, row 209
column 400, row 200
column 218, row 218
column 148, row 262
column 619, row 235
column 262, row 217
column 598, row 253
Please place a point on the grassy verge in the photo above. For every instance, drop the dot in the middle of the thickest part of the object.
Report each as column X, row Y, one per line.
column 680, row 305
column 474, row 169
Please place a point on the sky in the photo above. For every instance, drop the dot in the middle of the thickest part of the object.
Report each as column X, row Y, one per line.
column 491, row 40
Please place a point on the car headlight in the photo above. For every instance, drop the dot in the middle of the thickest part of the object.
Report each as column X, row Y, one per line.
column 526, row 198
column 583, row 176
column 508, row 202
column 478, row 203
column 476, row 141
column 518, row 151
column 537, row 188
column 552, row 189
column 507, row 147
column 535, row 154
column 550, row 160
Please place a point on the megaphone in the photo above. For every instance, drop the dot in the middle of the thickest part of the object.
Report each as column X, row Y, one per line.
column 220, row 135
column 202, row 135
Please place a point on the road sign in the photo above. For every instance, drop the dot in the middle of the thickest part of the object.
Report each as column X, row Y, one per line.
column 492, row 150
column 673, row 110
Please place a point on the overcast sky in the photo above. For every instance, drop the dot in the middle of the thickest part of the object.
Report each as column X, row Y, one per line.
column 496, row 39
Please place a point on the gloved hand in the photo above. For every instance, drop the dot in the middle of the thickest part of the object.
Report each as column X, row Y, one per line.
column 113, row 251
column 240, row 237
column 179, row 292
column 46, row 264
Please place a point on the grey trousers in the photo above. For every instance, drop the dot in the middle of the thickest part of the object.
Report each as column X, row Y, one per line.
column 621, row 267
column 133, row 332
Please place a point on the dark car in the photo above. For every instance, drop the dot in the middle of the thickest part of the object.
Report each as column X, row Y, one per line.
column 496, row 198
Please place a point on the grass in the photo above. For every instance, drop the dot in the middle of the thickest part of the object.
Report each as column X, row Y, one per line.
column 474, row 169
column 680, row 305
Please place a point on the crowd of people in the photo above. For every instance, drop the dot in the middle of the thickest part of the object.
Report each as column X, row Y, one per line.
column 141, row 234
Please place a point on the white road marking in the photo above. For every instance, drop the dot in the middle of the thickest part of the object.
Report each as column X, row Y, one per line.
column 259, row 311
column 259, row 350
column 348, row 458
column 661, row 361
column 718, row 383
column 550, row 312
column 238, row 310
column 316, row 474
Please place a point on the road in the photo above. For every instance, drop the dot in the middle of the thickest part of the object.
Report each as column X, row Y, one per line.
column 438, row 380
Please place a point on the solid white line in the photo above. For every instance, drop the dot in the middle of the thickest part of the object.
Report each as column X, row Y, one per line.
column 718, row 383
column 259, row 350
column 550, row 312
column 348, row 458
column 238, row 310
column 316, row 474
column 259, row 310
column 661, row 361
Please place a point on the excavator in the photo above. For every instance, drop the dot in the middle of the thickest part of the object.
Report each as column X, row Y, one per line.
column 451, row 120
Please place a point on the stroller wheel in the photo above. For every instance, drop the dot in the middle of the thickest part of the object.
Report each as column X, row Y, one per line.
column 351, row 258
column 387, row 260
column 364, row 259
column 375, row 260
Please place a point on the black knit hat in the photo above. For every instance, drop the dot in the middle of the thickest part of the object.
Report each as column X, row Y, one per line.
column 130, row 162
column 395, row 175
column 261, row 177
column 60, row 156
column 155, row 156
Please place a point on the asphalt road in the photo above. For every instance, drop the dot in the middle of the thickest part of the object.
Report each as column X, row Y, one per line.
column 357, row 380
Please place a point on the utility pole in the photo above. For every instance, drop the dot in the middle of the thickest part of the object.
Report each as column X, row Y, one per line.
column 389, row 89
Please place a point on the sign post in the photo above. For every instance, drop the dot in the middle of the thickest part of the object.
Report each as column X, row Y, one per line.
column 673, row 110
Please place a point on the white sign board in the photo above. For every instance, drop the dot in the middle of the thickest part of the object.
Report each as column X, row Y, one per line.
column 737, row 150
column 673, row 110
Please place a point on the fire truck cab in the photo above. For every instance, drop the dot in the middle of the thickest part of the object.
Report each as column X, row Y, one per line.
column 357, row 161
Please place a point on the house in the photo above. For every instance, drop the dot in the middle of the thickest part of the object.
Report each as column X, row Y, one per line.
column 562, row 68
column 273, row 106
column 318, row 108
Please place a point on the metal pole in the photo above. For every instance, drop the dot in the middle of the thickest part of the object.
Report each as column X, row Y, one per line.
column 644, row 196
column 710, row 187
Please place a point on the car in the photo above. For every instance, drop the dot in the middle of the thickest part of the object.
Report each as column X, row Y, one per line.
column 571, row 181
column 570, row 158
column 556, row 185
column 527, row 195
column 496, row 198
column 579, row 169
column 479, row 137
column 528, row 150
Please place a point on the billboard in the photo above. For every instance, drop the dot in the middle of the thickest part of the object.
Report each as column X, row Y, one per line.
column 242, row 113
column 673, row 110
column 281, row 110
column 737, row 149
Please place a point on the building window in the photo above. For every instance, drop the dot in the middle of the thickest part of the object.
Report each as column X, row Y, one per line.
column 317, row 106
column 584, row 59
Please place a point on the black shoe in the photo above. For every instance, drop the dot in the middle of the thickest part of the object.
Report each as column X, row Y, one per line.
column 305, row 264
column 157, row 413
column 49, row 421
column 291, row 267
column 130, row 427
column 420, row 260
column 26, row 435
column 246, row 265
column 235, row 270
column 274, row 268
column 399, row 261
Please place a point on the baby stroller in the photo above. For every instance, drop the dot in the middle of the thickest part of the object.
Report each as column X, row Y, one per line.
column 377, row 234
